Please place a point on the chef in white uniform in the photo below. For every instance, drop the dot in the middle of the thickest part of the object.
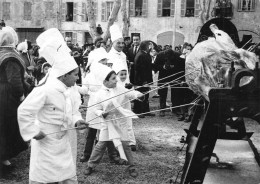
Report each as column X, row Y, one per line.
column 116, row 55
column 51, row 108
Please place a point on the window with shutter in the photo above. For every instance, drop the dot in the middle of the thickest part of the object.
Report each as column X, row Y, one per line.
column 83, row 12
column 27, row 10
column 138, row 8
column 69, row 11
column 246, row 5
column 109, row 7
column 159, row 8
column 197, row 8
column 145, row 8
column 183, row 8
column 48, row 9
column 103, row 12
column 74, row 38
column 166, row 8
column 131, row 8
column 75, row 12
column 6, row 10
column 96, row 10
column 63, row 11
column 190, row 7
column 172, row 8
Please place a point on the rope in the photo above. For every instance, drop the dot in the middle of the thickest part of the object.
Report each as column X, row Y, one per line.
column 133, row 89
column 123, row 117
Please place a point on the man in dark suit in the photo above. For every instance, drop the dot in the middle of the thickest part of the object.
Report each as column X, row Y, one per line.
column 168, row 62
column 131, row 55
column 143, row 76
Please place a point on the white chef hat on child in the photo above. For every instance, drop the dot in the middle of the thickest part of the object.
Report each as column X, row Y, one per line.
column 119, row 66
column 100, row 71
column 100, row 54
column 56, row 52
column 115, row 32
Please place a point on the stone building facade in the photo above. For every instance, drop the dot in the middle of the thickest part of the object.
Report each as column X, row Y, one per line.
column 162, row 21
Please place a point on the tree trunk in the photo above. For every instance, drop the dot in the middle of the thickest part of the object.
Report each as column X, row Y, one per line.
column 126, row 20
column 91, row 19
column 112, row 18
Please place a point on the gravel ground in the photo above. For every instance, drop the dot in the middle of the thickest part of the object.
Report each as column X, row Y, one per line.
column 159, row 156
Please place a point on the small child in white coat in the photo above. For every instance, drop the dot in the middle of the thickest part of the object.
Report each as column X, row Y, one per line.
column 109, row 109
column 121, row 72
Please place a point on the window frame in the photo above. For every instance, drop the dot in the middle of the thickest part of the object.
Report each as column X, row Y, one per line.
column 6, row 9
column 252, row 8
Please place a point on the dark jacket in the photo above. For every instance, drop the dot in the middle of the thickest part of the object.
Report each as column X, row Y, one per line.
column 168, row 63
column 11, row 89
column 143, row 68
column 131, row 57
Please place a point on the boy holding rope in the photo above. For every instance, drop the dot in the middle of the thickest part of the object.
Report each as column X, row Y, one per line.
column 51, row 107
column 112, row 130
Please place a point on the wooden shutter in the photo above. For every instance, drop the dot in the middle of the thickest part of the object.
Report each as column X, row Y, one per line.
column 25, row 13
column 183, row 8
column 159, row 8
column 29, row 6
column 63, row 11
column 6, row 10
column 75, row 12
column 132, row 8
column 172, row 8
column 103, row 12
column 252, row 5
column 145, row 8
column 197, row 8
column 83, row 13
column 96, row 10
column 74, row 38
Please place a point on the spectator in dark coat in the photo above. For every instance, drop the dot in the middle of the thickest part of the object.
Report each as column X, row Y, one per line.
column 143, row 76
column 132, row 51
column 12, row 71
column 168, row 63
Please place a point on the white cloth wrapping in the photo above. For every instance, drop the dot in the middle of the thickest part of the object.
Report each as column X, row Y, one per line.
column 118, row 58
column 45, row 109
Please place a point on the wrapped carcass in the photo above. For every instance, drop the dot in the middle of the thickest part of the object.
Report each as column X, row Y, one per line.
column 208, row 65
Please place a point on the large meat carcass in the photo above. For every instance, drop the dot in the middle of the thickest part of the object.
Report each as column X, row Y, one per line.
column 208, row 65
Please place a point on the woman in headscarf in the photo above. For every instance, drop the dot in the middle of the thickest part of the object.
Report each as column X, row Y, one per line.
column 11, row 95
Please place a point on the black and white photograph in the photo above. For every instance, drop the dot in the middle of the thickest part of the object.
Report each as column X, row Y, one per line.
column 129, row 92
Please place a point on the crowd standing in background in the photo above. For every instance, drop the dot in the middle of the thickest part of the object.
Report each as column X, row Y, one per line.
column 129, row 65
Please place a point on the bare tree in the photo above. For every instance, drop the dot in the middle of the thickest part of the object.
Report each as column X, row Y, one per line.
column 112, row 18
column 126, row 20
column 92, row 20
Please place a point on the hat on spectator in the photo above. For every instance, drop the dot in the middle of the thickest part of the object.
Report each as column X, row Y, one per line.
column 14, row 34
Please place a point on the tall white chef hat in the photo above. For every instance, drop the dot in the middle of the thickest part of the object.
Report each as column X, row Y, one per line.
column 56, row 52
column 119, row 66
column 100, row 71
column 115, row 32
column 100, row 54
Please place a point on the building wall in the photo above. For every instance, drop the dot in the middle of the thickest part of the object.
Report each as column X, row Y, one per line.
column 39, row 17
column 149, row 27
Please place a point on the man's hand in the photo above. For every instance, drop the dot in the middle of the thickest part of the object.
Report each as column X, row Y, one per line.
column 40, row 136
column 105, row 114
column 81, row 124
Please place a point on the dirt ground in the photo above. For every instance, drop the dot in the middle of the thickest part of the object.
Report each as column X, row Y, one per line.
column 159, row 156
